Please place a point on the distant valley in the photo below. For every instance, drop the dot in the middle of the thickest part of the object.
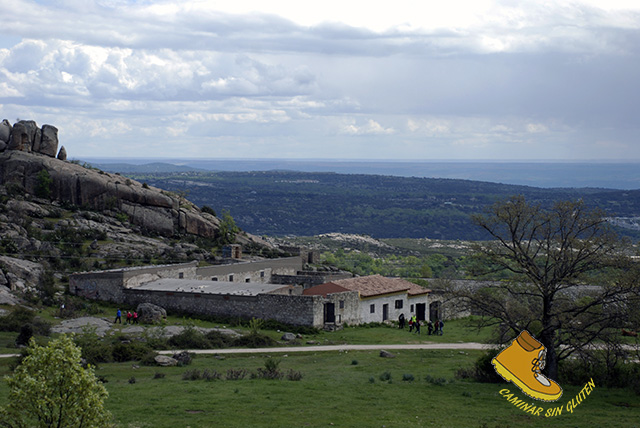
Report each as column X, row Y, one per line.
column 279, row 203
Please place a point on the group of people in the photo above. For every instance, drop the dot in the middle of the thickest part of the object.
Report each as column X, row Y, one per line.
column 434, row 328
column 132, row 318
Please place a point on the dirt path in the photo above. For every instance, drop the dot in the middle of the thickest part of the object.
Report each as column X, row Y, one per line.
column 324, row 348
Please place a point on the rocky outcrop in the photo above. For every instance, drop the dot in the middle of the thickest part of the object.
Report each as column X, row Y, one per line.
column 151, row 209
column 25, row 136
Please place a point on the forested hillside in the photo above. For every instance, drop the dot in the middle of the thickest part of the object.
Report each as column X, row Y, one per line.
column 297, row 203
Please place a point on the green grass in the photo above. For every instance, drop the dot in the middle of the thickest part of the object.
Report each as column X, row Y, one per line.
column 335, row 392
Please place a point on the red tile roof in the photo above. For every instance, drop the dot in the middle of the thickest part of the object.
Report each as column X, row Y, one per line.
column 323, row 289
column 368, row 286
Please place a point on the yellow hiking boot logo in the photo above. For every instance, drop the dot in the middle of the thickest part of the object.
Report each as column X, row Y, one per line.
column 521, row 363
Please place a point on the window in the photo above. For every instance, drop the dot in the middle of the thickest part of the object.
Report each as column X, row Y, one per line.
column 411, row 308
column 181, row 275
column 341, row 304
column 215, row 278
column 247, row 280
column 399, row 303
column 230, row 278
column 372, row 309
column 261, row 274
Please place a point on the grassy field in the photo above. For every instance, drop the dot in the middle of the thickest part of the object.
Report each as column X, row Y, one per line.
column 348, row 389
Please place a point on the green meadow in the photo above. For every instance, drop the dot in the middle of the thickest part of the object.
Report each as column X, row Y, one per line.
column 417, row 388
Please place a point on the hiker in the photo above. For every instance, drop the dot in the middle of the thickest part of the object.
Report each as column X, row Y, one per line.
column 410, row 324
column 129, row 316
column 417, row 326
column 401, row 321
column 429, row 327
column 135, row 317
column 118, row 317
column 440, row 325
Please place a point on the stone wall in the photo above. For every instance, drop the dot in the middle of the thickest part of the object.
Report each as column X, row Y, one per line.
column 109, row 285
column 98, row 285
column 297, row 310
column 309, row 279
column 259, row 271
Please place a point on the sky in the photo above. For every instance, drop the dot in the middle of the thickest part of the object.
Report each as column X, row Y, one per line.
column 402, row 79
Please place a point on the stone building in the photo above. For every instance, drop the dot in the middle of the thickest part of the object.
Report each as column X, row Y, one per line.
column 377, row 299
column 244, row 290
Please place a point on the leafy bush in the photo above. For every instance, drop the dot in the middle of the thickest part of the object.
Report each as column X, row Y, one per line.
column 385, row 376
column 43, row 184
column 233, row 374
column 254, row 341
column 408, row 377
column 149, row 359
column 20, row 316
column 438, row 381
column 482, row 370
column 133, row 351
column 271, row 370
column 190, row 338
column 210, row 375
column 193, row 374
column 294, row 375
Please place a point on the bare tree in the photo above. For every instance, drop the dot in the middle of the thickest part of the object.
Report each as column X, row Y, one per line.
column 568, row 278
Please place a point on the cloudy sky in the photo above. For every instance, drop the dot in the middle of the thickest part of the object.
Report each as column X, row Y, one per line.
column 345, row 79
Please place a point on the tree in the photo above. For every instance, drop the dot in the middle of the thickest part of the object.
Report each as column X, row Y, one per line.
column 565, row 282
column 227, row 229
column 43, row 184
column 50, row 388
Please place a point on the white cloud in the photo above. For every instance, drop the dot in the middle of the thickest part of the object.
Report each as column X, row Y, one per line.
column 498, row 78
column 370, row 127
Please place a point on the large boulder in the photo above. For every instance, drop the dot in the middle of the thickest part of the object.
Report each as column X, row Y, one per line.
column 49, row 142
column 23, row 136
column 164, row 361
column 148, row 313
column 62, row 154
column 5, row 131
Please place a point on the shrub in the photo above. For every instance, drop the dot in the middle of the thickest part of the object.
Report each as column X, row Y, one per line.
column 20, row 316
column 254, row 341
column 438, row 381
column 207, row 209
column 233, row 374
column 158, row 375
column 26, row 332
column 149, row 359
column 133, row 351
column 271, row 369
column 482, row 370
column 210, row 375
column 354, row 362
column 408, row 377
column 193, row 374
column 43, row 184
column 132, row 379
column 294, row 375
column 385, row 376
column 190, row 338
column 218, row 340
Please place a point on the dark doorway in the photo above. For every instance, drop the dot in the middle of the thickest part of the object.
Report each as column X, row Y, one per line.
column 421, row 309
column 329, row 313
column 385, row 312
column 434, row 311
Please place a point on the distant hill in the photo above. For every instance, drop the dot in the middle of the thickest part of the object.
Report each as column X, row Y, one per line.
column 609, row 175
column 127, row 168
column 281, row 203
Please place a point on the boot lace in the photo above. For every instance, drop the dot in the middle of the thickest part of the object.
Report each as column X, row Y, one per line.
column 538, row 363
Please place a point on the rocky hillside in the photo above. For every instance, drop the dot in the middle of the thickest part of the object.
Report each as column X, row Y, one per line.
column 58, row 216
